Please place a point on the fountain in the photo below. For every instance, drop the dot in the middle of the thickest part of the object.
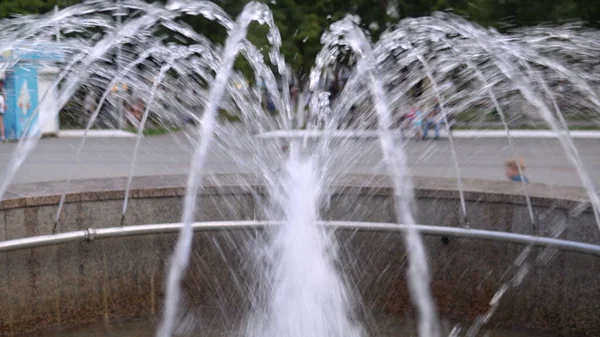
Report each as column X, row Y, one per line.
column 302, row 243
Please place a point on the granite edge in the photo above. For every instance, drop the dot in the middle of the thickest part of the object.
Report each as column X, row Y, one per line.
column 474, row 190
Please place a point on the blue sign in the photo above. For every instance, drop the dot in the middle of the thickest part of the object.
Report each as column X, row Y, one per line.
column 21, row 87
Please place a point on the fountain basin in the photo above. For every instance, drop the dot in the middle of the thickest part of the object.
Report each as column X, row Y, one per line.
column 75, row 284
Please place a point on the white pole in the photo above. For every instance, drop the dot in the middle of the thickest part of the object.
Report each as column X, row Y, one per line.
column 57, row 25
column 120, row 107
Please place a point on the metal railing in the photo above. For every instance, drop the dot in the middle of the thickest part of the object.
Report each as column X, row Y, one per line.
column 91, row 234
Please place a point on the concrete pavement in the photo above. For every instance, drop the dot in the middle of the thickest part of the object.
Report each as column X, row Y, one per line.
column 170, row 154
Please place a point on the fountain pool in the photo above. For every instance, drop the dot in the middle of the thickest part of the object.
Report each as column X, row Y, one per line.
column 313, row 261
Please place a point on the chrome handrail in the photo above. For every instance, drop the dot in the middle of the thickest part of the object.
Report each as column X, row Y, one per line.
column 171, row 228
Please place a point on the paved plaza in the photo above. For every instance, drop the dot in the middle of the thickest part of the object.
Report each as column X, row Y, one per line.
column 170, row 154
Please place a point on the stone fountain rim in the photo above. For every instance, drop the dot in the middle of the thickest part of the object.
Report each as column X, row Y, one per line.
column 475, row 190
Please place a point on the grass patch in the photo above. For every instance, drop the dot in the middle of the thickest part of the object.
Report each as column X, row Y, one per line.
column 477, row 115
column 524, row 127
column 153, row 131
column 226, row 116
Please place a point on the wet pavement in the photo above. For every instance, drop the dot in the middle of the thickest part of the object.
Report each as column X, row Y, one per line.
column 170, row 154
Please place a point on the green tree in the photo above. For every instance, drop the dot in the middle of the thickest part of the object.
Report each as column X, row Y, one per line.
column 11, row 7
column 302, row 22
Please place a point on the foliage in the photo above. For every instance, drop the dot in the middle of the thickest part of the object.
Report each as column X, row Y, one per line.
column 301, row 22
column 12, row 7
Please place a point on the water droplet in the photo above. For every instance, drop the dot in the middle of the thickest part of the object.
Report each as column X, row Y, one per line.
column 455, row 332
column 520, row 276
column 521, row 258
column 498, row 295
column 546, row 256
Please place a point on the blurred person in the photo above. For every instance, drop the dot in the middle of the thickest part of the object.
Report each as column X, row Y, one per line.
column 270, row 105
column 294, row 91
column 134, row 111
column 515, row 169
column 352, row 116
column 3, row 108
column 334, row 90
column 414, row 119
column 89, row 106
column 432, row 120
column 137, row 108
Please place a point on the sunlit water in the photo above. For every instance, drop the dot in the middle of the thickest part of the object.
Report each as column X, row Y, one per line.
column 306, row 296
column 187, row 85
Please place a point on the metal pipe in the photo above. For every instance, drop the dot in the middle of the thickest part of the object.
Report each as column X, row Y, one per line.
column 41, row 241
column 459, row 232
column 173, row 228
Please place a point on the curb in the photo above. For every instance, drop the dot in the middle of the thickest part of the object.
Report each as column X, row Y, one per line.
column 548, row 134
column 95, row 134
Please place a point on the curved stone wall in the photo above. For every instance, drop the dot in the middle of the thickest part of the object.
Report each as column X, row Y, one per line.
column 116, row 280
